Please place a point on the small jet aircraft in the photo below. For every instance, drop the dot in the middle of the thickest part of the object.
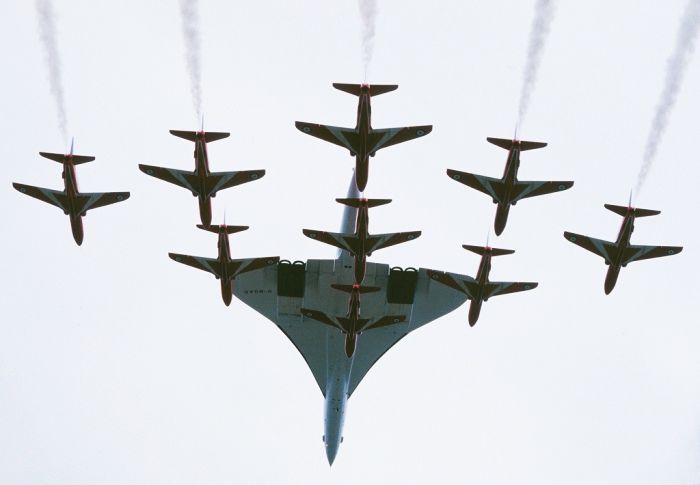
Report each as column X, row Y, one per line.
column 223, row 267
column 508, row 190
column 70, row 200
column 361, row 243
column 202, row 183
column 363, row 141
column 619, row 253
column 480, row 289
column 353, row 325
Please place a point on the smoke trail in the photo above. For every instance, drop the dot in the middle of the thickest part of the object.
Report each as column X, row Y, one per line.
column 544, row 12
column 47, row 33
column 368, row 12
column 675, row 70
column 190, row 30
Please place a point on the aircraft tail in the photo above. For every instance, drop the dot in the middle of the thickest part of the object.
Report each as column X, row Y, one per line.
column 522, row 145
column 61, row 158
column 192, row 135
column 357, row 203
column 623, row 211
column 362, row 289
column 217, row 229
column 485, row 249
column 374, row 89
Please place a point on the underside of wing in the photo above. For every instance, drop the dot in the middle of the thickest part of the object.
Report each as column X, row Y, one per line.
column 452, row 280
column 497, row 288
column 205, row 264
column 605, row 249
column 181, row 178
column 341, row 241
column 637, row 252
column 321, row 317
column 523, row 190
column 54, row 197
column 384, row 322
column 87, row 201
column 380, row 241
column 488, row 185
column 386, row 137
column 223, row 180
column 240, row 266
column 344, row 137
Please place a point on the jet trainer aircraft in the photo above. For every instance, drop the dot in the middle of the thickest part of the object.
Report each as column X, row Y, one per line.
column 353, row 325
column 281, row 292
column 363, row 141
column 508, row 190
column 202, row 183
column 223, row 267
column 361, row 243
column 70, row 200
column 619, row 253
column 480, row 289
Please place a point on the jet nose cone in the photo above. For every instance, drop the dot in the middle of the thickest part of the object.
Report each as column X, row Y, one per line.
column 331, row 452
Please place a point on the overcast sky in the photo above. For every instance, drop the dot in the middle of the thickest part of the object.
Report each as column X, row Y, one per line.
column 119, row 366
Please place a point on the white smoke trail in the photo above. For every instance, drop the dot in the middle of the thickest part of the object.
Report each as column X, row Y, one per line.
column 47, row 33
column 368, row 12
column 544, row 12
column 189, row 11
column 675, row 70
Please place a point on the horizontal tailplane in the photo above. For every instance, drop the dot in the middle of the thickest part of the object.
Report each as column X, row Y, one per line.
column 228, row 229
column 623, row 211
column 483, row 250
column 361, row 289
column 510, row 144
column 374, row 89
column 192, row 135
column 357, row 203
column 60, row 158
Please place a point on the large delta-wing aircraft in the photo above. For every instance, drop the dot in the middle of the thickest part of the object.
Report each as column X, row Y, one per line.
column 480, row 289
column 280, row 292
column 508, row 190
column 361, row 243
column 223, row 267
column 619, row 253
column 363, row 141
column 70, row 200
column 202, row 183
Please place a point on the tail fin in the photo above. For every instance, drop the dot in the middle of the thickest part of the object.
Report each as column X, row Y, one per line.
column 192, row 135
column 522, row 145
column 357, row 203
column 227, row 229
column 374, row 89
column 362, row 289
column 483, row 250
column 61, row 158
column 623, row 211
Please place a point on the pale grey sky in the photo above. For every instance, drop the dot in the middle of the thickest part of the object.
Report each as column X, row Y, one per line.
column 118, row 366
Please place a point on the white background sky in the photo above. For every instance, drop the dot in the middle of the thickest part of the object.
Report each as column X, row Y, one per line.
column 118, row 366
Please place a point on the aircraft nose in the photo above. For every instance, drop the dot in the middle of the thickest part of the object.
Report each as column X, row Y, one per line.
column 331, row 451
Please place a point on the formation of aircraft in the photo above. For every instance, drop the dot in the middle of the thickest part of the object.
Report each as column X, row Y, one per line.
column 223, row 267
column 508, row 190
column 361, row 243
column 619, row 253
column 363, row 141
column 480, row 289
column 201, row 182
column 70, row 200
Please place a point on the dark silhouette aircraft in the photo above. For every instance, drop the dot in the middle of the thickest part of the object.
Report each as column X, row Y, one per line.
column 508, row 190
column 202, row 183
column 223, row 267
column 480, row 289
column 363, row 141
column 352, row 324
column 70, row 200
column 361, row 243
column 619, row 253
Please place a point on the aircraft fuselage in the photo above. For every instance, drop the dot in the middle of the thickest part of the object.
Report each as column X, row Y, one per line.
column 201, row 170
column 70, row 187
column 482, row 277
column 622, row 242
column 224, row 259
column 362, row 233
column 510, row 177
column 334, row 414
column 363, row 128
